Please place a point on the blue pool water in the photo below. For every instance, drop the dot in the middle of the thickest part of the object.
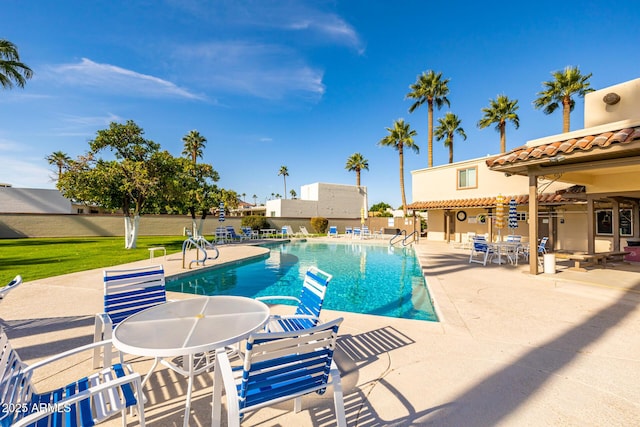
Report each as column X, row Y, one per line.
column 368, row 279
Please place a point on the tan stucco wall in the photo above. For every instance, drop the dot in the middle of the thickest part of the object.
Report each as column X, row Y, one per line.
column 440, row 183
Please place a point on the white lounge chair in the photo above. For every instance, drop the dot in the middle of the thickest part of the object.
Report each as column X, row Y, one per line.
column 304, row 232
column 333, row 231
column 481, row 251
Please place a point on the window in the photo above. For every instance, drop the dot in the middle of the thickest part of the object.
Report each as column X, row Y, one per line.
column 626, row 222
column 467, row 178
column 522, row 216
column 604, row 222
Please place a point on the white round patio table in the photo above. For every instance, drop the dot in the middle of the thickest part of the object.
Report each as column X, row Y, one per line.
column 188, row 328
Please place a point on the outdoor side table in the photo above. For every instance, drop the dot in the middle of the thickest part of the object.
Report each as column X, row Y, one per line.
column 189, row 327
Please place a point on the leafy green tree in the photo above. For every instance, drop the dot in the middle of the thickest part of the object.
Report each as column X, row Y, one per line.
column 447, row 126
column 380, row 207
column 285, row 173
column 12, row 71
column 60, row 159
column 500, row 111
column 198, row 193
column 431, row 89
column 293, row 193
column 138, row 178
column 400, row 136
column 194, row 143
column 560, row 91
column 357, row 163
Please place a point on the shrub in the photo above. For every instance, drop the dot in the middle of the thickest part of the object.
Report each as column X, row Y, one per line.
column 256, row 222
column 319, row 224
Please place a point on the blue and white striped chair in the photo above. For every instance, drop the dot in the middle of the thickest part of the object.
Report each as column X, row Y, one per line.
column 481, row 251
column 126, row 292
column 310, row 301
column 333, row 231
column 85, row 402
column 278, row 367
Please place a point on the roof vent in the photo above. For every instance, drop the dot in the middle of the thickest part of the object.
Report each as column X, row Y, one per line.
column 611, row 98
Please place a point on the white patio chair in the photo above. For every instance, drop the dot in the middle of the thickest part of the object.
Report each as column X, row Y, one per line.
column 481, row 251
column 126, row 292
column 89, row 400
column 310, row 301
column 278, row 367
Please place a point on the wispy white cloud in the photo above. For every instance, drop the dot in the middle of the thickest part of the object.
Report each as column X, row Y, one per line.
column 26, row 173
column 257, row 69
column 114, row 79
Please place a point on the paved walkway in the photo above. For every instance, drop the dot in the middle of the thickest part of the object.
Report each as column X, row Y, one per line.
column 512, row 349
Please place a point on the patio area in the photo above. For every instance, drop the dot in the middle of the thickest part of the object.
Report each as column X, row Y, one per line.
column 512, row 349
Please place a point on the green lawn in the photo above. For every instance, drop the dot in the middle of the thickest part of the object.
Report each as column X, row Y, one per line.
column 36, row 258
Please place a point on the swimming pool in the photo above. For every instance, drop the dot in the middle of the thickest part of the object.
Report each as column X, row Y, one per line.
column 369, row 279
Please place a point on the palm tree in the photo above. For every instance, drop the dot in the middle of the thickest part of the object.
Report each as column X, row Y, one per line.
column 194, row 143
column 285, row 173
column 12, row 71
column 560, row 90
column 60, row 159
column 356, row 163
column 400, row 136
column 255, row 200
column 447, row 126
column 500, row 110
column 432, row 89
column 293, row 193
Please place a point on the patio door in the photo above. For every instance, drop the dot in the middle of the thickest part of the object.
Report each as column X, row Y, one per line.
column 449, row 226
column 547, row 228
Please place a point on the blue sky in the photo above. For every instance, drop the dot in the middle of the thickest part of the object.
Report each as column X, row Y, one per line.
column 302, row 84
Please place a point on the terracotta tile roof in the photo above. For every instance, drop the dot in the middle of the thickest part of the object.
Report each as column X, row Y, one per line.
column 488, row 202
column 584, row 143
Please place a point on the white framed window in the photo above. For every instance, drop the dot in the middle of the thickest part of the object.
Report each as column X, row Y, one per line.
column 467, row 178
column 626, row 222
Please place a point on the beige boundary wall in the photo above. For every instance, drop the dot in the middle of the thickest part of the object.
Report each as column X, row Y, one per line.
column 14, row 226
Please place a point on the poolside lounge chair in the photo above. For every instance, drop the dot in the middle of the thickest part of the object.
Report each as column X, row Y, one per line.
column 310, row 303
column 333, row 231
column 126, row 292
column 279, row 367
column 365, row 232
column 248, row 233
column 10, row 286
column 288, row 231
column 348, row 231
column 304, row 232
column 231, row 233
column 86, row 401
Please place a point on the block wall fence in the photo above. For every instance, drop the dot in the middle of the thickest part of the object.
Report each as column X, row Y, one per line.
column 13, row 226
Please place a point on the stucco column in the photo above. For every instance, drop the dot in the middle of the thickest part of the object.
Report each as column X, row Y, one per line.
column 533, row 224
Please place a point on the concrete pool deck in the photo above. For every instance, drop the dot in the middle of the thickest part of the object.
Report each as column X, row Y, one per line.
column 512, row 349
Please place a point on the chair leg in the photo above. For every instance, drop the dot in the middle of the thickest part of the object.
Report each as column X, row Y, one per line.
column 338, row 400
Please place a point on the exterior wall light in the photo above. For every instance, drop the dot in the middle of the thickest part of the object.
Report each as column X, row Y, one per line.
column 611, row 98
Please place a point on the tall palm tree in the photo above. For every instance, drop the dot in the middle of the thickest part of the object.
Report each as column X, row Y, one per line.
column 293, row 193
column 12, row 71
column 285, row 173
column 255, row 200
column 356, row 163
column 432, row 89
column 447, row 126
column 499, row 111
column 400, row 136
column 560, row 90
column 194, row 143
column 60, row 159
